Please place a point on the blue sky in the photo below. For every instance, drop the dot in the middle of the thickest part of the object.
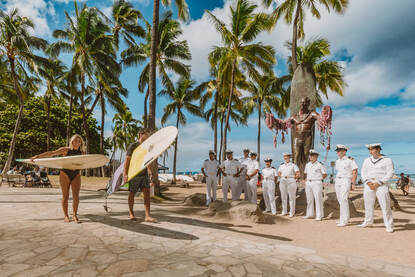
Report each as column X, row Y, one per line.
column 372, row 40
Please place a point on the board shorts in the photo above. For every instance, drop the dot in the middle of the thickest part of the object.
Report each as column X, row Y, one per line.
column 138, row 183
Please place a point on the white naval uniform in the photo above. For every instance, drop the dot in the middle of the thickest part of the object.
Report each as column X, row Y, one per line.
column 379, row 171
column 242, row 182
column 288, row 186
column 251, row 166
column 211, row 169
column 230, row 167
column 344, row 168
column 314, row 189
column 268, row 187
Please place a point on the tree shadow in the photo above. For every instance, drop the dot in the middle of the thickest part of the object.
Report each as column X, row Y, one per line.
column 205, row 224
column 132, row 226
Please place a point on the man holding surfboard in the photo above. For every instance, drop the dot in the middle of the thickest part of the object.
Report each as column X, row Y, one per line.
column 141, row 182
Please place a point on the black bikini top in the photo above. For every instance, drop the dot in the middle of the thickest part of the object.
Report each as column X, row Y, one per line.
column 73, row 152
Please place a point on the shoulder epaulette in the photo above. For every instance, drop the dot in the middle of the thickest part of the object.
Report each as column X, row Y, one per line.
column 206, row 160
column 281, row 163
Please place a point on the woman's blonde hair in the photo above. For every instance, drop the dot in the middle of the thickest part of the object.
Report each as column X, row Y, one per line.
column 82, row 147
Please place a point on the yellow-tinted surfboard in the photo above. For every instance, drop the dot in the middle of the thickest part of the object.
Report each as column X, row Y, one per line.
column 150, row 150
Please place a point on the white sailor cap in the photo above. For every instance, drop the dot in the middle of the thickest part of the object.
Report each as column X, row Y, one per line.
column 341, row 147
column 229, row 152
column 313, row 152
column 287, row 154
column 212, row 152
column 373, row 145
column 246, row 149
column 267, row 159
column 253, row 154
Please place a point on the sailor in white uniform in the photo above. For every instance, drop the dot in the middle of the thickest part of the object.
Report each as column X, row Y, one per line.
column 210, row 170
column 231, row 169
column 288, row 172
column 377, row 170
column 315, row 173
column 243, row 183
column 345, row 178
column 252, row 168
column 269, row 176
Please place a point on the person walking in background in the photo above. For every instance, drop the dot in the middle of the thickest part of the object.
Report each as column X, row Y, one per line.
column 345, row 179
column 403, row 183
column 269, row 176
column 288, row 172
column 377, row 170
column 315, row 173
column 230, row 169
column 210, row 170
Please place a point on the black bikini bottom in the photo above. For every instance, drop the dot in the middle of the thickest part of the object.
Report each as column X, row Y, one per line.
column 71, row 173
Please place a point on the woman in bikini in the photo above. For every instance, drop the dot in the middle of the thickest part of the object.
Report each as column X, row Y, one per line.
column 68, row 178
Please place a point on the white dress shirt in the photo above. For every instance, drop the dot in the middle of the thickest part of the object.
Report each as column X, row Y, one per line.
column 288, row 170
column 211, row 167
column 251, row 166
column 314, row 171
column 345, row 167
column 378, row 170
column 269, row 173
column 230, row 167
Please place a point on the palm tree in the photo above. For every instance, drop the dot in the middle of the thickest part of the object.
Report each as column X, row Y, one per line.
column 286, row 9
column 125, row 130
column 239, row 52
column 54, row 88
column 170, row 53
column 17, row 44
column 328, row 73
column 267, row 93
column 93, row 51
column 182, row 99
column 70, row 83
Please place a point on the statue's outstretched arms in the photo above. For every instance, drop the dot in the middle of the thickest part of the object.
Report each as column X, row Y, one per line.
column 315, row 115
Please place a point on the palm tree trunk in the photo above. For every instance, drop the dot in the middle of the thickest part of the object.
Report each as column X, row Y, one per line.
column 84, row 117
column 152, row 88
column 228, row 111
column 294, row 41
column 215, row 122
column 68, row 123
column 259, row 132
column 18, row 120
column 101, row 139
column 48, row 124
column 145, row 109
column 175, row 150
column 221, row 139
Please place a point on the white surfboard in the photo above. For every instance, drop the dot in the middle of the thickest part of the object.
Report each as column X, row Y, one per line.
column 151, row 149
column 70, row 162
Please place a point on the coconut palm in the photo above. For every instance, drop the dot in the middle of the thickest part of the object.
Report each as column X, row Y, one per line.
column 170, row 53
column 328, row 73
column 182, row 99
column 17, row 44
column 93, row 51
column 266, row 95
column 239, row 52
column 294, row 12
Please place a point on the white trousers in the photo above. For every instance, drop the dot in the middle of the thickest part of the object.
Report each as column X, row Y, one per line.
column 288, row 188
column 268, row 192
column 314, row 194
column 342, row 186
column 211, row 186
column 252, row 188
column 232, row 182
column 382, row 194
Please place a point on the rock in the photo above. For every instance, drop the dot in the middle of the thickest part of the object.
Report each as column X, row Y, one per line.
column 197, row 199
column 236, row 210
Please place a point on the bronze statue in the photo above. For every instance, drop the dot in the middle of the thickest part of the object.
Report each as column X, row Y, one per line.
column 302, row 132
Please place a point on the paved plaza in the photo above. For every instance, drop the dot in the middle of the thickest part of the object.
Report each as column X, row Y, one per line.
column 34, row 241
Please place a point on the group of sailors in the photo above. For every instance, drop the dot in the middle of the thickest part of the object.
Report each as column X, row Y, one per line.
column 242, row 176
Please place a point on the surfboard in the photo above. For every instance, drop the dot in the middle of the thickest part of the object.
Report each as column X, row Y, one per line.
column 151, row 149
column 70, row 162
column 116, row 181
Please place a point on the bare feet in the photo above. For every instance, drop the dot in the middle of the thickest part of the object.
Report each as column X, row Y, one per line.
column 132, row 217
column 66, row 219
column 150, row 219
column 75, row 218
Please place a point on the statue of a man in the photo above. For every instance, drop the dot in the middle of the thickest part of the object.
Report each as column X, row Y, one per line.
column 302, row 133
